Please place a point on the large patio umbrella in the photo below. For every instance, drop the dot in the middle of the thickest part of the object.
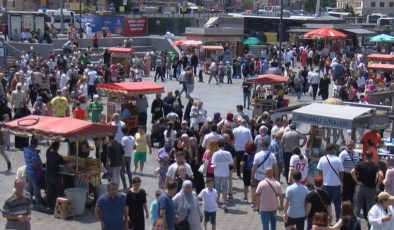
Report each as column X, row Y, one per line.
column 324, row 33
column 382, row 38
column 251, row 41
column 269, row 79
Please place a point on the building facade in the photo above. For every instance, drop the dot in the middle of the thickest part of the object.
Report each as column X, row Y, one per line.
column 365, row 7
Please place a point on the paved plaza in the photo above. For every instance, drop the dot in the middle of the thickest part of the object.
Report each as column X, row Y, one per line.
column 217, row 98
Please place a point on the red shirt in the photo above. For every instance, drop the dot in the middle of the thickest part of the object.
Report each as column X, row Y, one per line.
column 79, row 113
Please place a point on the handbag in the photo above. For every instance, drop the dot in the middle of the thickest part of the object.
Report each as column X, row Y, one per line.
column 203, row 167
column 184, row 224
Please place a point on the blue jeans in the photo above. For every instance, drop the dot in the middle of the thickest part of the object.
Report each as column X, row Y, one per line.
column 335, row 193
column 34, row 188
column 266, row 218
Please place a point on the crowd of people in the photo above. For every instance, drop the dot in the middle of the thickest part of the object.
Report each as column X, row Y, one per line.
column 197, row 155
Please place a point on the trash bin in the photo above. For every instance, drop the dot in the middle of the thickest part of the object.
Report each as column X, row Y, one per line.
column 78, row 196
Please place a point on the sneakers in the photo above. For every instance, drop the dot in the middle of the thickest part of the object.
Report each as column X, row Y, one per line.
column 245, row 200
column 230, row 196
column 9, row 166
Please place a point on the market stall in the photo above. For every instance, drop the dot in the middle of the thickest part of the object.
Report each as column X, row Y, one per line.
column 266, row 97
column 124, row 94
column 209, row 53
column 377, row 71
column 84, row 172
column 376, row 57
column 122, row 56
column 324, row 118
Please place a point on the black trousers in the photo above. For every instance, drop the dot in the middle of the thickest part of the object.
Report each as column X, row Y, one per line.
column 286, row 161
column 315, row 88
column 238, row 156
column 349, row 187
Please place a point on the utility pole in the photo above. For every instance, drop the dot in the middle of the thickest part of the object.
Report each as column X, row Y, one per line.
column 280, row 33
column 62, row 16
column 317, row 10
column 80, row 19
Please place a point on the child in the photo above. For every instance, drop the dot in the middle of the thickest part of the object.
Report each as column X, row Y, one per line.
column 154, row 209
column 209, row 200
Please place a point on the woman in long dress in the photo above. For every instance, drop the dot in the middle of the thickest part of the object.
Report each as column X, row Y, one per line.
column 136, row 202
column 147, row 65
column 186, row 206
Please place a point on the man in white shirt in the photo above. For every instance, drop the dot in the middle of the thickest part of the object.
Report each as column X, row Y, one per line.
column 213, row 135
column 18, row 96
column 128, row 147
column 92, row 79
column 222, row 160
column 349, row 160
column 241, row 136
column 63, row 80
column 331, row 169
column 120, row 125
column 180, row 160
column 314, row 80
column 263, row 160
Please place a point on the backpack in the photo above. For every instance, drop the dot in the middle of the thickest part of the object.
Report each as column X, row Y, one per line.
column 249, row 162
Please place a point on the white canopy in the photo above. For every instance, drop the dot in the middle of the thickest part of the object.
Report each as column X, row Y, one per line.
column 333, row 116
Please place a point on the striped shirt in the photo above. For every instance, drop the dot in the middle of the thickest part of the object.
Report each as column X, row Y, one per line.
column 349, row 159
column 17, row 205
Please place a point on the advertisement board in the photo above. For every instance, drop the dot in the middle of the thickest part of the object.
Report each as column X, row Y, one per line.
column 114, row 23
column 135, row 26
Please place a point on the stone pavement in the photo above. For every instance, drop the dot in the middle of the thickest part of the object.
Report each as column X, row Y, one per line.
column 217, row 98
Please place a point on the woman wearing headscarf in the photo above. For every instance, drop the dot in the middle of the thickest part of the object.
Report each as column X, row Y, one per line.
column 258, row 140
column 186, row 206
column 216, row 118
column 227, row 123
column 22, row 111
column 163, row 157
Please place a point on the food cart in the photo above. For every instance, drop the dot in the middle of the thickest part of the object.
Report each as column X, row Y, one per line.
column 78, row 172
column 376, row 71
column 209, row 54
column 259, row 100
column 324, row 118
column 124, row 94
column 122, row 56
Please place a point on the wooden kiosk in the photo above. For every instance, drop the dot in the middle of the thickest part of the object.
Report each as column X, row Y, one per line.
column 124, row 94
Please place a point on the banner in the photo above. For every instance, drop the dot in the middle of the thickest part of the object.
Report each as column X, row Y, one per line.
column 114, row 23
column 135, row 26
column 95, row 22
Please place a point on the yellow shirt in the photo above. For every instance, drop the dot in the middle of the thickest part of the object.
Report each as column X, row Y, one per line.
column 140, row 142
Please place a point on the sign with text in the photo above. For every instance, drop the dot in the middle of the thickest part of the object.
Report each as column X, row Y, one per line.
column 135, row 26
column 323, row 121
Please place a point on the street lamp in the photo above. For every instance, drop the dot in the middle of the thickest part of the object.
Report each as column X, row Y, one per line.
column 280, row 33
column 80, row 19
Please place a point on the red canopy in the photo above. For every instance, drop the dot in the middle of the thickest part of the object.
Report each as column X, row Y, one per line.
column 269, row 79
column 120, row 50
column 212, row 47
column 325, row 32
column 58, row 127
column 377, row 66
column 381, row 57
column 132, row 87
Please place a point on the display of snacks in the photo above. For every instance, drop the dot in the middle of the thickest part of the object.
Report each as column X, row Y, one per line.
column 84, row 164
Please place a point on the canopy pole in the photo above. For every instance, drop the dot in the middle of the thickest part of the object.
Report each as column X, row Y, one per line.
column 77, row 148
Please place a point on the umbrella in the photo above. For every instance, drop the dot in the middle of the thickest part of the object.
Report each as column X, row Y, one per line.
column 191, row 43
column 269, row 79
column 325, row 32
column 382, row 38
column 251, row 41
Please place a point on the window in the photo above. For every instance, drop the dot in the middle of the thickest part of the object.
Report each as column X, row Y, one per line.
column 373, row 4
column 381, row 4
column 391, row 4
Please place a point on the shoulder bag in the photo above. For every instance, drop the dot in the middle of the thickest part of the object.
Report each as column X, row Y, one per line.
column 272, row 188
column 333, row 168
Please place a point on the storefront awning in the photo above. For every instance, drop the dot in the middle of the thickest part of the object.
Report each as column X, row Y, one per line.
column 359, row 31
column 333, row 116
